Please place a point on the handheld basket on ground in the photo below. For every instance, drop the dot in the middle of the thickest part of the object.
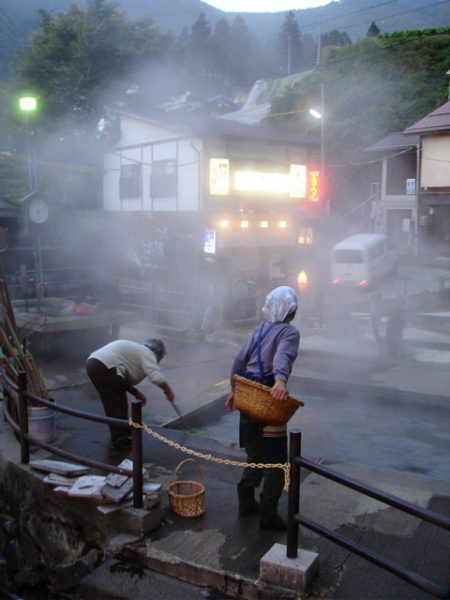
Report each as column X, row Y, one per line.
column 187, row 497
column 253, row 399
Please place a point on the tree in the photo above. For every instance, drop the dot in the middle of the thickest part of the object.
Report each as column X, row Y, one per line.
column 289, row 46
column 373, row 30
column 79, row 53
column 335, row 38
column 220, row 45
column 245, row 61
column 199, row 46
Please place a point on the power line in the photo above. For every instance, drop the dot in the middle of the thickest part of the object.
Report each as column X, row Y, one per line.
column 384, row 18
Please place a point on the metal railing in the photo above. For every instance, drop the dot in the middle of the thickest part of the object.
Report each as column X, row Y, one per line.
column 25, row 439
column 295, row 519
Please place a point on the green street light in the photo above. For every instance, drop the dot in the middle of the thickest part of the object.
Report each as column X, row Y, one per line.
column 28, row 103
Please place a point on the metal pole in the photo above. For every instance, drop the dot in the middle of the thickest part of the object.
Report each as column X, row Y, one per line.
column 136, row 449
column 416, row 220
column 295, row 445
column 23, row 418
column 322, row 147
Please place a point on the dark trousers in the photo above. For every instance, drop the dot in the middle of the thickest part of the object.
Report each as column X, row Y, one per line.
column 264, row 451
column 112, row 390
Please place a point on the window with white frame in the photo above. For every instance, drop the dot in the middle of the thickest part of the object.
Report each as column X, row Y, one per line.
column 130, row 185
column 163, row 179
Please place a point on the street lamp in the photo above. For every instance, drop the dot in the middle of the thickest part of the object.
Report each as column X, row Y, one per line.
column 28, row 106
column 319, row 114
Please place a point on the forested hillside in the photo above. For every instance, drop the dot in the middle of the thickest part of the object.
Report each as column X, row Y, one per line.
column 378, row 85
column 18, row 18
column 92, row 55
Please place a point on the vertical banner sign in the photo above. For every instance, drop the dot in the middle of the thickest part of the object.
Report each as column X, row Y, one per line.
column 297, row 181
column 313, row 185
column 219, row 176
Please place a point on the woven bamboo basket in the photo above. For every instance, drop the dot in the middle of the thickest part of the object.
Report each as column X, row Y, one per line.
column 187, row 497
column 254, row 401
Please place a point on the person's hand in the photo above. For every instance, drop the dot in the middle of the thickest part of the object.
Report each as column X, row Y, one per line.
column 167, row 391
column 229, row 403
column 279, row 391
column 139, row 396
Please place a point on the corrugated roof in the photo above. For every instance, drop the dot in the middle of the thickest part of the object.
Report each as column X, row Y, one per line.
column 436, row 121
column 394, row 141
column 259, row 100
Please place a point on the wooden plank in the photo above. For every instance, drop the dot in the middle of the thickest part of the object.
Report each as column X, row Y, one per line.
column 59, row 467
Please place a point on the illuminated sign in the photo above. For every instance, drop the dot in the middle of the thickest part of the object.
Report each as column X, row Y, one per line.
column 410, row 186
column 297, row 181
column 313, row 186
column 209, row 241
column 258, row 181
column 292, row 183
column 219, row 176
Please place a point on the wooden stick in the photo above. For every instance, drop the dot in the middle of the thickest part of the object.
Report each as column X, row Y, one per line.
column 8, row 304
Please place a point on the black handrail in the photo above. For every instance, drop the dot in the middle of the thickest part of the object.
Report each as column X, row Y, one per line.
column 25, row 438
column 295, row 519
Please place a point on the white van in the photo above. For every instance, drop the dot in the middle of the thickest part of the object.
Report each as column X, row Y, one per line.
column 361, row 260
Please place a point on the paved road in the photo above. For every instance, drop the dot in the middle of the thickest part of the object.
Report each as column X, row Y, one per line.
column 382, row 430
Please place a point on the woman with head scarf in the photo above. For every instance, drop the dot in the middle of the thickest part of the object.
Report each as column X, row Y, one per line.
column 266, row 357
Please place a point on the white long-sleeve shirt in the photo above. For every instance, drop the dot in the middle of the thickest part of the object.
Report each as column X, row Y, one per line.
column 133, row 361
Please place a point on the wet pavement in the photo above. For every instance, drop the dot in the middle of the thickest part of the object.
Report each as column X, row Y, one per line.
column 378, row 421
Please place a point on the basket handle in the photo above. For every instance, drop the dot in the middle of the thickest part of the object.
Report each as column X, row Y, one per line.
column 175, row 472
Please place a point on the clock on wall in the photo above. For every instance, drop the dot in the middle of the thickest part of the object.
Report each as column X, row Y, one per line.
column 38, row 211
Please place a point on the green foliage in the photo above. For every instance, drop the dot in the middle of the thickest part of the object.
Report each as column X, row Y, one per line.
column 77, row 53
column 378, row 85
column 335, row 38
column 12, row 176
column 373, row 30
column 289, row 45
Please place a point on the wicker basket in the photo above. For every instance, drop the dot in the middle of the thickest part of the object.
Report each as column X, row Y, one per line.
column 254, row 400
column 187, row 497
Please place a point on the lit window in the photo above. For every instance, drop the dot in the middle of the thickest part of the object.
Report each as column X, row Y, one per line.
column 224, row 224
column 244, row 224
column 282, row 224
column 305, row 235
column 264, row 224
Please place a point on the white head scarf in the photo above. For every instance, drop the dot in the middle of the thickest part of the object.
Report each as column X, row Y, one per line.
column 279, row 303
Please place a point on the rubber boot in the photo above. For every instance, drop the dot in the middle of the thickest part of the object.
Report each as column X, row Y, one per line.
column 269, row 517
column 247, row 503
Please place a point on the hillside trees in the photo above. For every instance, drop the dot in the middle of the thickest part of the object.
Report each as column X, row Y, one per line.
column 289, row 46
column 79, row 53
column 378, row 85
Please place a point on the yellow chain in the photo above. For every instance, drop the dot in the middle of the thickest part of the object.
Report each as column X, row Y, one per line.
column 216, row 459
